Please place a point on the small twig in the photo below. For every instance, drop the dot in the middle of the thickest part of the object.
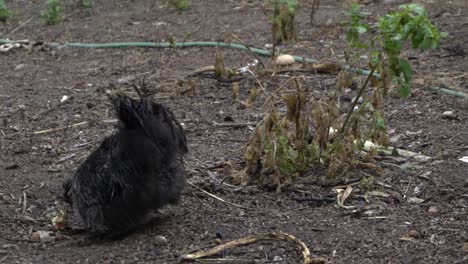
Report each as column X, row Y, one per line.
column 221, row 140
column 235, row 125
column 315, row 7
column 216, row 197
column 26, row 218
column 25, row 203
column 227, row 260
column 23, row 240
column 274, row 28
column 67, row 157
column 252, row 239
column 353, row 105
column 272, row 95
column 459, row 76
column 256, row 78
column 4, row 258
column 59, row 128
column 85, row 143
column 201, row 70
column 20, row 26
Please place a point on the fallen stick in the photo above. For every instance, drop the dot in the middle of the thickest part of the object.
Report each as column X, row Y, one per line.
column 252, row 239
column 216, row 197
column 59, row 128
column 210, row 68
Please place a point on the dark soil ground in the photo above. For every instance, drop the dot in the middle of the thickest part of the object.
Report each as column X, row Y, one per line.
column 35, row 165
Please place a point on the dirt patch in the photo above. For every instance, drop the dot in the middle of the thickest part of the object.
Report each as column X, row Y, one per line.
column 32, row 85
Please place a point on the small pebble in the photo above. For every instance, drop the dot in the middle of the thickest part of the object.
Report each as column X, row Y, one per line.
column 277, row 259
column 413, row 233
column 433, row 210
column 19, row 67
column 449, row 115
column 160, row 241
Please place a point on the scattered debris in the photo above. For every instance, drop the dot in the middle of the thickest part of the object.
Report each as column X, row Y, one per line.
column 64, row 98
column 59, row 220
column 415, row 200
column 449, row 115
column 245, row 69
column 368, row 146
column 342, row 195
column 43, row 236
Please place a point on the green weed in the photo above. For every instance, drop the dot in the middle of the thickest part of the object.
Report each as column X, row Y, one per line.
column 283, row 27
column 5, row 13
column 181, row 5
column 86, row 3
column 53, row 15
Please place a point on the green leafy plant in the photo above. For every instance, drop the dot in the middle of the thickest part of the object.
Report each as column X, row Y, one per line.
column 409, row 24
column 313, row 132
column 5, row 13
column 412, row 24
column 86, row 3
column 181, row 5
column 356, row 26
column 53, row 15
column 283, row 27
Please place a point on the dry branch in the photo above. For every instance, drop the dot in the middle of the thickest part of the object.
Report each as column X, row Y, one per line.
column 252, row 239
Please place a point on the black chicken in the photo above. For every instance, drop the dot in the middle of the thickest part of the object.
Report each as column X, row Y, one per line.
column 135, row 171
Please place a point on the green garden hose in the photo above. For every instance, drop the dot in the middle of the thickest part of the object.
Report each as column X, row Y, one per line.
column 261, row 52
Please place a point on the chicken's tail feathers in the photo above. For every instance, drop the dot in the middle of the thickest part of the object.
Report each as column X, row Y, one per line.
column 155, row 119
column 164, row 117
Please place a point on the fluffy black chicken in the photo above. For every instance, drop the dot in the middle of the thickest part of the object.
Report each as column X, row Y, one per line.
column 135, row 171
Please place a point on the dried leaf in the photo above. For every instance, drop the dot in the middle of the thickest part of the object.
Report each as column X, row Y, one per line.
column 220, row 69
column 328, row 67
column 415, row 200
column 343, row 195
column 292, row 107
column 235, row 91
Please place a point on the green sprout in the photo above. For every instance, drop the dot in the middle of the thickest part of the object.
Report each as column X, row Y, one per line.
column 5, row 13
column 53, row 15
